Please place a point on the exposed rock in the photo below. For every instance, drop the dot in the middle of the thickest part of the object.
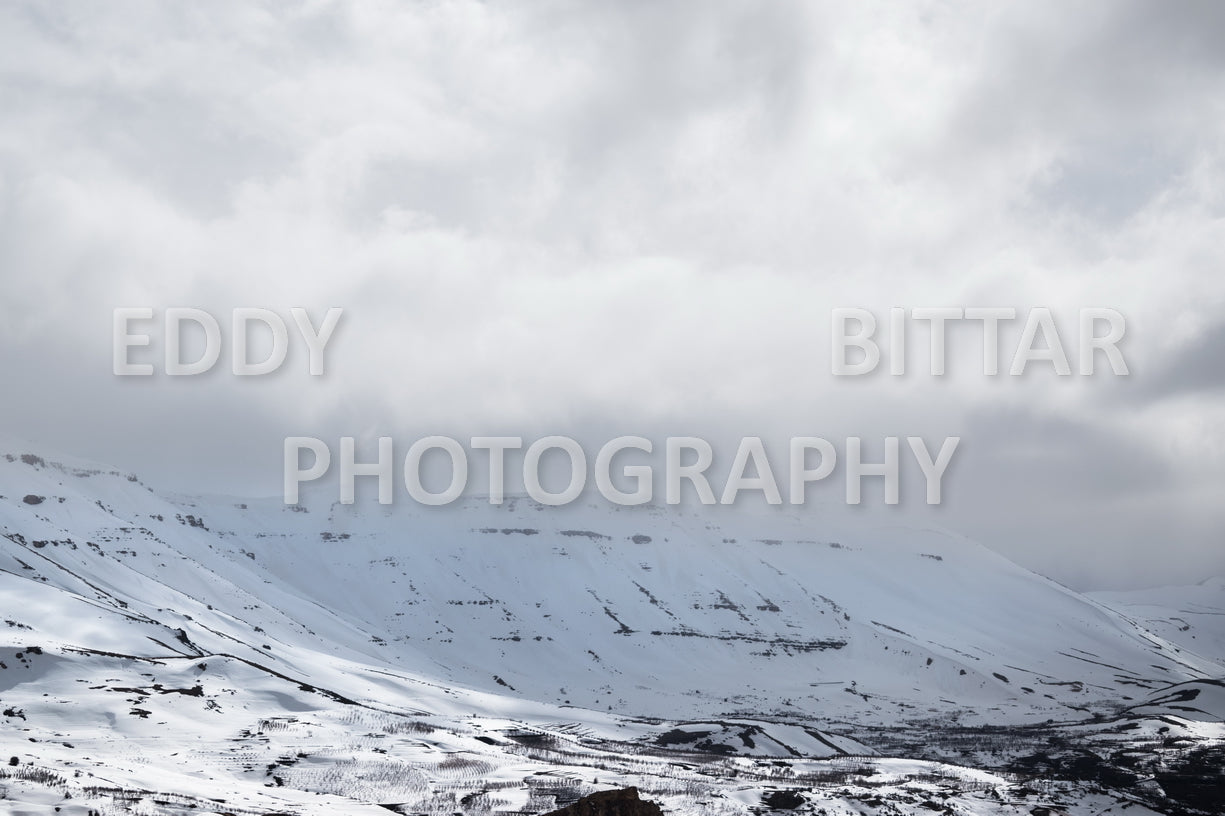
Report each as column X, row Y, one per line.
column 782, row 799
column 624, row 802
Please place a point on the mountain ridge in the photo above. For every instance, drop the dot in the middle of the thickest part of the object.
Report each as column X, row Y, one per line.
column 615, row 636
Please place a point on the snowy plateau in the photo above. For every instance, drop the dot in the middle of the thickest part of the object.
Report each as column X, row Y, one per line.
column 164, row 654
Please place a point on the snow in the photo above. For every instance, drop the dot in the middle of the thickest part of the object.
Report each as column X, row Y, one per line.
column 163, row 652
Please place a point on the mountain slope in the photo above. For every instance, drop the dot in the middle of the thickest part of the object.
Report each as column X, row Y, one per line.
column 1191, row 616
column 305, row 659
column 644, row 611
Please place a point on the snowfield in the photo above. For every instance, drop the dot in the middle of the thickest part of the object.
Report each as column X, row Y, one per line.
column 169, row 654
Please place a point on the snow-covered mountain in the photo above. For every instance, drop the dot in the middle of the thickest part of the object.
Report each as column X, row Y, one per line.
column 321, row 655
column 1190, row 616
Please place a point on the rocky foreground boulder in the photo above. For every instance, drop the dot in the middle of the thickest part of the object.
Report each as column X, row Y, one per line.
column 622, row 802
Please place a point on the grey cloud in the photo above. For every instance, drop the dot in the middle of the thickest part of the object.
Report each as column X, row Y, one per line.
column 587, row 218
column 1025, row 451
column 1108, row 181
column 1099, row 103
column 1078, row 500
column 1197, row 367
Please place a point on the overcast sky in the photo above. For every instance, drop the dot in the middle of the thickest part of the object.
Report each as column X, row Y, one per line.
column 634, row 218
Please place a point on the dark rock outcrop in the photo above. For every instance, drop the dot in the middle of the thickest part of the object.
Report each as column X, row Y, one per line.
column 782, row 800
column 624, row 802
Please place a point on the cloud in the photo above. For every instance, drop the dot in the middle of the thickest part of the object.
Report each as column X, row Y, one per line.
column 1084, row 501
column 560, row 218
column 1194, row 367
